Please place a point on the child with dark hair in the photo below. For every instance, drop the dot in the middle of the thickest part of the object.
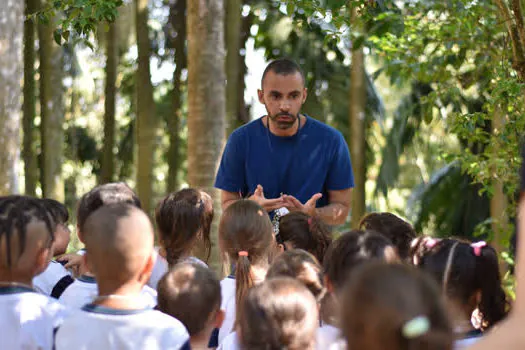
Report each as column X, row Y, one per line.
column 119, row 248
column 394, row 307
column 342, row 258
column 397, row 230
column 298, row 230
column 55, row 278
column 27, row 318
column 84, row 288
column 183, row 221
column 246, row 240
column 192, row 294
column 297, row 264
column 470, row 278
column 280, row 313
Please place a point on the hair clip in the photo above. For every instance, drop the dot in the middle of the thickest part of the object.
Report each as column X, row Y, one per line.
column 243, row 253
column 477, row 247
column 416, row 327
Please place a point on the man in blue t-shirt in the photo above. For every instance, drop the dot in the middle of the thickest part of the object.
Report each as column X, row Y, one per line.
column 287, row 159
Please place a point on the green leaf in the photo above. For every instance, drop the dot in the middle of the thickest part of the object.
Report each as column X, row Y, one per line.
column 65, row 35
column 290, row 8
column 57, row 36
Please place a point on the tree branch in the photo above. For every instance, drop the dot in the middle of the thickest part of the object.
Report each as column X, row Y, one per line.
column 517, row 46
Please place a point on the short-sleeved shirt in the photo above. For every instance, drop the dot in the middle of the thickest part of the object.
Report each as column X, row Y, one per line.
column 314, row 160
column 84, row 290
column 47, row 281
column 98, row 327
column 28, row 319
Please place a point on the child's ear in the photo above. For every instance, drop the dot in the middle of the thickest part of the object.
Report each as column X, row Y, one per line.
column 219, row 318
column 280, row 248
column 328, row 284
column 42, row 260
column 148, row 267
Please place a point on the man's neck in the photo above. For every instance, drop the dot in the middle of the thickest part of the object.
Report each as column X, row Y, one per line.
column 274, row 129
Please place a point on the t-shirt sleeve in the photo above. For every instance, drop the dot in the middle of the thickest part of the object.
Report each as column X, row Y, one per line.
column 340, row 173
column 231, row 176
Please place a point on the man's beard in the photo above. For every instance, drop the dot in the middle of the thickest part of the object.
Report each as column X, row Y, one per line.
column 284, row 124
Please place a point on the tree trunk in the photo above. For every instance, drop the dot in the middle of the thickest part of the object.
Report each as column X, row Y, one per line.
column 11, row 39
column 146, row 115
column 178, row 24
column 498, row 202
column 357, row 132
column 233, row 62
column 108, row 158
column 28, row 151
column 206, row 98
column 51, row 114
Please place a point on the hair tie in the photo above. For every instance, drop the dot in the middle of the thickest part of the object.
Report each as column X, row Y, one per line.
column 416, row 327
column 430, row 243
column 243, row 253
column 477, row 247
column 310, row 221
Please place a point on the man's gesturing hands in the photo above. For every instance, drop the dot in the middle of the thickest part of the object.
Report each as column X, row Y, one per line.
column 289, row 202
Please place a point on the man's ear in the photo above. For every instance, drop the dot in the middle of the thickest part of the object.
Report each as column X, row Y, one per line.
column 260, row 94
column 148, row 267
column 219, row 318
column 305, row 94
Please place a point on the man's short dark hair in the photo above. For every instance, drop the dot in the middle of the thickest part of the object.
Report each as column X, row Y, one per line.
column 283, row 66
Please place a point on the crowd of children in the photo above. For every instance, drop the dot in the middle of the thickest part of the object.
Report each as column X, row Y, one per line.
column 377, row 288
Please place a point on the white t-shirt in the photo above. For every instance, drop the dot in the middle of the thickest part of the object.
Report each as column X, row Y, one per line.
column 228, row 305
column 84, row 290
column 47, row 280
column 231, row 342
column 326, row 336
column 28, row 318
column 98, row 327
column 161, row 267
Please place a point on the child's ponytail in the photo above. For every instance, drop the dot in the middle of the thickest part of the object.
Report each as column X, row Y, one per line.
column 493, row 305
column 243, row 278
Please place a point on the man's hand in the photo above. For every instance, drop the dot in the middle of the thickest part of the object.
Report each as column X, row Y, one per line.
column 267, row 204
column 293, row 204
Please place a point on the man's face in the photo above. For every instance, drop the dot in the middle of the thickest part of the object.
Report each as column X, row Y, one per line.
column 283, row 96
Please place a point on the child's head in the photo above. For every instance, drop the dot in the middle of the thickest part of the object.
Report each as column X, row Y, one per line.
column 246, row 238
column 119, row 245
column 183, row 218
column 60, row 215
column 298, row 230
column 394, row 307
column 26, row 238
column 302, row 266
column 117, row 192
column 470, row 278
column 352, row 249
column 192, row 294
column 279, row 313
column 397, row 230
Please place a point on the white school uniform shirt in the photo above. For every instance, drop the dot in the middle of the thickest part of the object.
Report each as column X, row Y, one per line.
column 228, row 305
column 98, row 327
column 84, row 290
column 231, row 342
column 326, row 336
column 161, row 267
column 28, row 319
column 47, row 280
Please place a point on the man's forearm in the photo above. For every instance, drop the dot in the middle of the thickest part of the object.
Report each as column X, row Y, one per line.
column 333, row 214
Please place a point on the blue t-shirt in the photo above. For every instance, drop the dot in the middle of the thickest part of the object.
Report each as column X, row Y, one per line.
column 315, row 159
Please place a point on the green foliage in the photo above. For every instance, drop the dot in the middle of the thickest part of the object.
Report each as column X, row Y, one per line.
column 78, row 17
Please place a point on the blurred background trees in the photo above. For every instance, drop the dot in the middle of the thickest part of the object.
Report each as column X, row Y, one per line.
column 428, row 93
